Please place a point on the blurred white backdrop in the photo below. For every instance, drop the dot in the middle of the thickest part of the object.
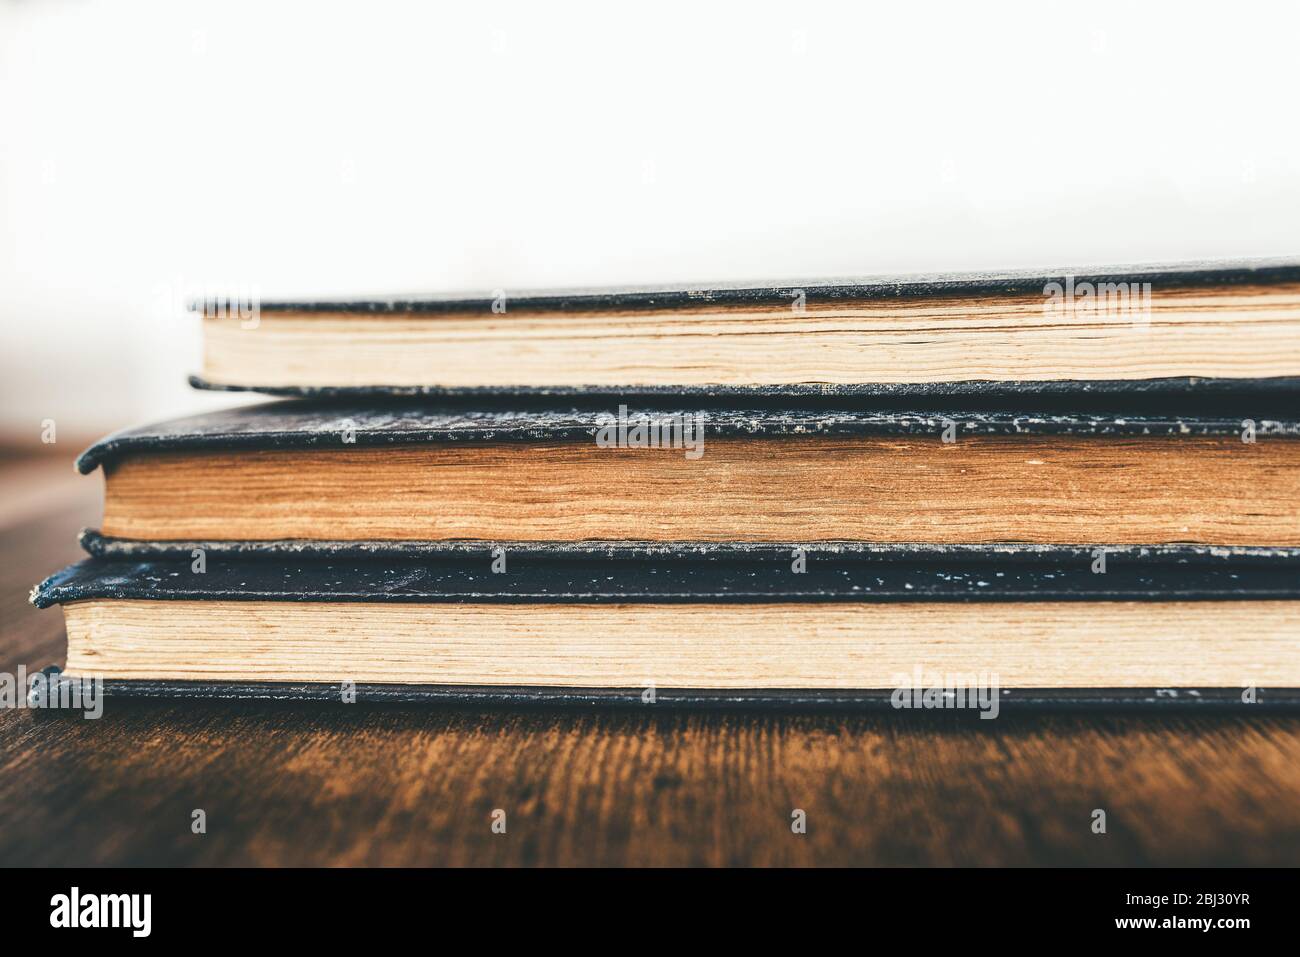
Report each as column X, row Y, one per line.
column 148, row 150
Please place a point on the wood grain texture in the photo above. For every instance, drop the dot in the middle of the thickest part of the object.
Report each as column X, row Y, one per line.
column 402, row 788
column 294, row 785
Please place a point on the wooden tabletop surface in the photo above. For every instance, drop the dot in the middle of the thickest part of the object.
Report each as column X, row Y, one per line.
column 296, row 785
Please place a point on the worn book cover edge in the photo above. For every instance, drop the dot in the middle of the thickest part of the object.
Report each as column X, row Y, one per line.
column 688, row 295
column 424, row 581
column 308, row 424
column 993, row 388
column 104, row 546
column 1200, row 700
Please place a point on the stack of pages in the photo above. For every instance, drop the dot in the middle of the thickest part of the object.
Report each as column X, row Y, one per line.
column 1060, row 490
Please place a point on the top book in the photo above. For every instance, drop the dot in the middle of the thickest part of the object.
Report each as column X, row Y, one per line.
column 1174, row 328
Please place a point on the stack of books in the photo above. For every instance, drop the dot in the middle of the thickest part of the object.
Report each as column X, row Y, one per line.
column 989, row 491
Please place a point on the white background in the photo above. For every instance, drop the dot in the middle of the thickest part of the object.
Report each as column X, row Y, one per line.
column 150, row 150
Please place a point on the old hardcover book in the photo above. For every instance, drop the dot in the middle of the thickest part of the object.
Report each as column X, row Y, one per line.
column 1221, row 474
column 728, row 632
column 1202, row 326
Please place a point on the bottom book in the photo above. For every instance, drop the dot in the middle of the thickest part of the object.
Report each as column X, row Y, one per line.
column 900, row 635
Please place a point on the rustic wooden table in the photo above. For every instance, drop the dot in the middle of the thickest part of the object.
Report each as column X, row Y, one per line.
column 297, row 785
